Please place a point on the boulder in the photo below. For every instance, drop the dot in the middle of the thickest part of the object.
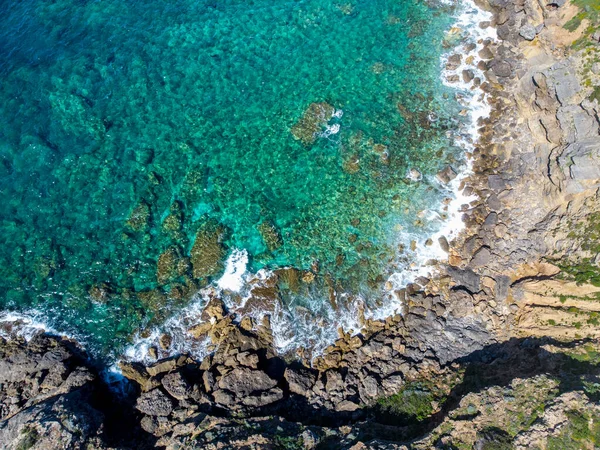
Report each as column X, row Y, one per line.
column 154, row 403
column 300, row 381
column 176, row 386
column 243, row 381
column 263, row 398
column 528, row 32
column 165, row 365
column 446, row 175
column 138, row 373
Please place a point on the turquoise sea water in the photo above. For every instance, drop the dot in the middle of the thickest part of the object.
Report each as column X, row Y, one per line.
column 135, row 129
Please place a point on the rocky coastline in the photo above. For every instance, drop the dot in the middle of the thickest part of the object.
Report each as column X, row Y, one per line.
column 501, row 348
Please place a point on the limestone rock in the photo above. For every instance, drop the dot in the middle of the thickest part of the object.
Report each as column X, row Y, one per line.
column 300, row 381
column 243, row 381
column 155, row 403
column 528, row 32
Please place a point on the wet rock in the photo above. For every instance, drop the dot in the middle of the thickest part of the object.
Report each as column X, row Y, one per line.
column 414, row 175
column 214, row 310
column 446, row 175
column 138, row 373
column 165, row 341
column 200, row 330
column 444, row 243
column 154, row 403
column 468, row 75
column 165, row 365
column 454, row 61
column 486, row 54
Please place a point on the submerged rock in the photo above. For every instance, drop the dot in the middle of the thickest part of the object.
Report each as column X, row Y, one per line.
column 312, row 122
column 208, row 252
column 270, row 235
column 140, row 217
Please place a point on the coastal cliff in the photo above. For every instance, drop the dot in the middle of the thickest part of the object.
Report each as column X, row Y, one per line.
column 499, row 350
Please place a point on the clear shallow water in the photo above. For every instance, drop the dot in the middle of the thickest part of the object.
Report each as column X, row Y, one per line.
column 132, row 130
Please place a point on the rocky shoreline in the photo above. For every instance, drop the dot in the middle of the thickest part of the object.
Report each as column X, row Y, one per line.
column 500, row 348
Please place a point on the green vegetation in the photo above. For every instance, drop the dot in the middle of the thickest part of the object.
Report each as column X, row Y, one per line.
column 288, row 443
column 29, row 437
column 590, row 11
column 495, row 439
column 583, row 270
column 412, row 403
column 581, row 431
column 595, row 94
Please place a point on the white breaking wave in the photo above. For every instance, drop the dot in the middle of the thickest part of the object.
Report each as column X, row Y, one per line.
column 26, row 325
column 235, row 269
column 472, row 38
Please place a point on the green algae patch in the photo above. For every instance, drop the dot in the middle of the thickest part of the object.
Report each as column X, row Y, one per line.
column 409, row 405
column 581, row 431
column 270, row 235
column 312, row 122
column 208, row 252
column 140, row 217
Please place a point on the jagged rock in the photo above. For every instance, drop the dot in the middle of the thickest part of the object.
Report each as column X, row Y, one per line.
column 446, row 175
column 263, row 398
column 243, row 381
column 209, row 380
column 156, row 425
column 165, row 365
column 528, row 32
column 248, row 359
column 334, row 381
column 300, row 381
column 482, row 257
column 176, row 386
column 138, row 373
column 223, row 397
column 214, row 310
column 154, row 403
column 466, row 278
